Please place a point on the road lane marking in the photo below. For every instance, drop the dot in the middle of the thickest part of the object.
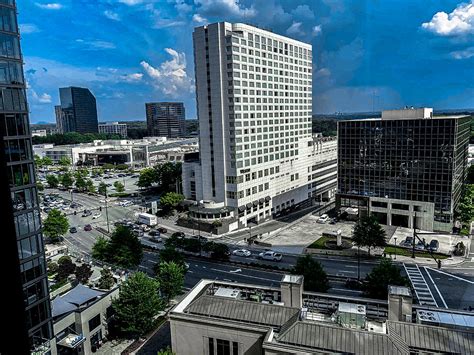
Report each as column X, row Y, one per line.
column 244, row 275
column 451, row 275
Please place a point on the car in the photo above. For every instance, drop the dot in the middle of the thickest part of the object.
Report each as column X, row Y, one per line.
column 354, row 284
column 323, row 218
column 242, row 252
column 97, row 215
column 162, row 230
column 73, row 230
column 156, row 239
column 434, row 245
column 154, row 233
column 145, row 228
column 178, row 235
column 86, row 213
column 420, row 245
column 74, row 205
column 87, row 227
column 270, row 255
column 408, row 242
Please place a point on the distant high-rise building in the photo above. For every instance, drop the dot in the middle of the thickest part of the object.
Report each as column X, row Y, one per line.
column 114, row 128
column 28, row 326
column 406, row 168
column 77, row 111
column 165, row 119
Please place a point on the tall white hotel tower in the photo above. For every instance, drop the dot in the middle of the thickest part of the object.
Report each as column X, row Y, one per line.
column 254, row 91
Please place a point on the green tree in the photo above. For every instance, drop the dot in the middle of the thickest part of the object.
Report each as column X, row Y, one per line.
column 81, row 183
column 138, row 305
column 315, row 278
column 55, row 225
column 40, row 186
column 83, row 273
column 102, row 189
column 147, row 177
column 170, row 275
column 170, row 254
column 384, row 274
column 218, row 251
column 465, row 209
column 52, row 181
column 47, row 161
column 170, row 200
column 123, row 249
column 90, row 186
column 100, row 249
column 52, row 267
column 368, row 233
column 65, row 268
column 65, row 161
column 38, row 161
column 66, row 180
column 119, row 187
column 106, row 280
column 166, row 351
column 168, row 175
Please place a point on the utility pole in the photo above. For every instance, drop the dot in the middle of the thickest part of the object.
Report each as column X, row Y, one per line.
column 414, row 237
column 358, row 263
column 107, row 211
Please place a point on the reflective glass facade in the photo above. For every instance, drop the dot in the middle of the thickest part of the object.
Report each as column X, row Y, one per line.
column 22, row 245
column 77, row 112
column 408, row 159
column 165, row 119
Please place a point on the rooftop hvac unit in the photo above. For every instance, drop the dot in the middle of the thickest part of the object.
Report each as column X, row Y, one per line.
column 227, row 292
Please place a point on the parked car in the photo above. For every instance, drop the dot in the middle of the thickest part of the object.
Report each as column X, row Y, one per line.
column 434, row 245
column 270, row 255
column 73, row 230
column 323, row 218
column 162, row 230
column 242, row 252
column 87, row 227
column 408, row 242
column 154, row 233
column 420, row 246
column 86, row 213
column 97, row 215
column 156, row 239
column 353, row 284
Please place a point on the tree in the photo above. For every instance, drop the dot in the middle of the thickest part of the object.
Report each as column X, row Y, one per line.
column 147, row 178
column 55, row 225
column 170, row 200
column 66, row 180
column 384, row 274
column 100, row 249
column 170, row 275
column 465, row 209
column 106, row 280
column 168, row 175
column 52, row 267
column 119, row 187
column 46, row 161
column 81, row 183
column 65, row 161
column 90, row 186
column 40, row 186
column 170, row 254
column 52, row 181
column 102, row 189
column 38, row 161
column 65, row 268
column 138, row 305
column 368, row 233
column 83, row 273
column 166, row 351
column 315, row 278
column 218, row 251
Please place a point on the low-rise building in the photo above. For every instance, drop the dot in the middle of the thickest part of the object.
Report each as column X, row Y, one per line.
column 218, row 318
column 81, row 319
column 113, row 128
column 39, row 133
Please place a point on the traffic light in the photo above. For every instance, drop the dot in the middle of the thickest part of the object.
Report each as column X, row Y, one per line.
column 75, row 213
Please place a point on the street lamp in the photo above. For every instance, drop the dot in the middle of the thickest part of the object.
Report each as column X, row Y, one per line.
column 107, row 211
column 396, row 248
column 358, row 263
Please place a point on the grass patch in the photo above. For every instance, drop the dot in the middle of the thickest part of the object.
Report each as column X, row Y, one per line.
column 120, row 194
column 321, row 242
column 407, row 252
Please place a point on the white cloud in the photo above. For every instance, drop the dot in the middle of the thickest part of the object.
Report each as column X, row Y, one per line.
column 96, row 44
column 463, row 54
column 49, row 6
column 170, row 77
column 165, row 23
column 316, row 30
column 132, row 78
column 131, row 2
column 460, row 21
column 112, row 15
column 321, row 73
column 295, row 29
column 303, row 11
column 41, row 99
column 224, row 8
column 26, row 28
column 199, row 19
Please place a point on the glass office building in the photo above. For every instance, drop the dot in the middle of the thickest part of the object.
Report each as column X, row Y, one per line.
column 391, row 162
column 77, row 112
column 165, row 119
column 27, row 315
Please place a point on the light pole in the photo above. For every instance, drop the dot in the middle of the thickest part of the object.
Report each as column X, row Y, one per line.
column 107, row 211
column 358, row 263
column 396, row 248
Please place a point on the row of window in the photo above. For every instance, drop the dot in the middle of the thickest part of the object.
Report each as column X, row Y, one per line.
column 20, row 174
column 248, row 192
column 24, row 199
column 265, row 159
column 14, row 125
column 263, row 54
column 18, row 149
column 8, row 20
column 27, row 223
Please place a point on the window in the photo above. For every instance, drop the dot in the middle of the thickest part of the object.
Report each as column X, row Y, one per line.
column 222, row 347
column 94, row 322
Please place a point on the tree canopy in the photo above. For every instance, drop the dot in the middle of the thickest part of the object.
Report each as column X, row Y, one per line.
column 315, row 278
column 381, row 276
column 52, row 181
column 73, row 138
column 368, row 233
column 138, row 304
column 170, row 200
column 66, row 180
column 55, row 225
column 106, row 280
column 171, row 278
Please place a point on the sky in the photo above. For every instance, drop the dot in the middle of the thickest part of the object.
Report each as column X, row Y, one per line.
column 367, row 54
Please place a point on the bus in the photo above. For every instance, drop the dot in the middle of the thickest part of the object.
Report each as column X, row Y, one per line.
column 148, row 219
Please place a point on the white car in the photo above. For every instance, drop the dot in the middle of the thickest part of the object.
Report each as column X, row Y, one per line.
column 242, row 252
column 323, row 218
column 270, row 255
column 97, row 215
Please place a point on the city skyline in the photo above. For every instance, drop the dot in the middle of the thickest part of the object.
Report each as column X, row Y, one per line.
column 381, row 63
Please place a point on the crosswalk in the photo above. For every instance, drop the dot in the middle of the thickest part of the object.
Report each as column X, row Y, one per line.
column 422, row 291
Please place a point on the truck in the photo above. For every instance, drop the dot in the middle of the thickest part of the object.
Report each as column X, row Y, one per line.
column 148, row 219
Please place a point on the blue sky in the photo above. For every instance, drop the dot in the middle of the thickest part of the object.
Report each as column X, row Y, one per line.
column 368, row 54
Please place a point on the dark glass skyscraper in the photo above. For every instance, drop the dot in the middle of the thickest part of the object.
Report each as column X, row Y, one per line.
column 165, row 119
column 77, row 112
column 27, row 313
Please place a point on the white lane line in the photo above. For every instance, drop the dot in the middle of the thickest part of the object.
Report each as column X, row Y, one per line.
column 244, row 275
column 451, row 275
column 436, row 287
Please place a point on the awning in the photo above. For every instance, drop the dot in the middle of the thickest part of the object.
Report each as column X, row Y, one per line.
column 262, row 200
column 72, row 341
column 255, row 203
column 268, row 198
column 241, row 208
column 248, row 205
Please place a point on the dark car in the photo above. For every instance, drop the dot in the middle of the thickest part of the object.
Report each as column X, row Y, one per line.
column 73, row 230
column 434, row 245
column 87, row 227
column 162, row 230
column 86, row 213
column 354, row 284
column 179, row 235
column 154, row 233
